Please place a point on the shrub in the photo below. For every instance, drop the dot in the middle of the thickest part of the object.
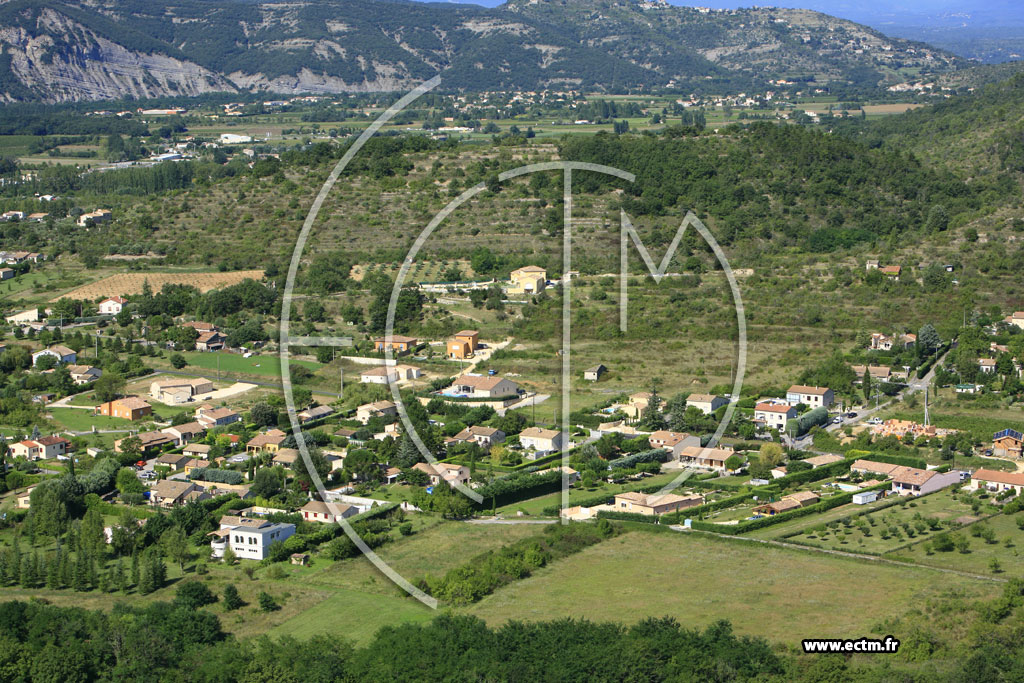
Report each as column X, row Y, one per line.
column 194, row 594
column 232, row 600
column 267, row 602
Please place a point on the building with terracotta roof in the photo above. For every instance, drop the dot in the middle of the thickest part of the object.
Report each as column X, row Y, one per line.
column 270, row 441
column 997, row 482
column 706, row 403
column 128, row 408
column 527, row 280
column 910, row 481
column 651, row 504
column 464, row 345
column 541, row 441
column 774, row 414
column 112, row 305
column 399, row 344
column 485, row 386
column 814, row 397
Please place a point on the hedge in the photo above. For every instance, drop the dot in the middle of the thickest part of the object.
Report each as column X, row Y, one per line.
column 653, row 455
column 896, row 460
column 823, row 472
column 802, row 425
column 216, row 475
column 628, row 516
column 519, row 486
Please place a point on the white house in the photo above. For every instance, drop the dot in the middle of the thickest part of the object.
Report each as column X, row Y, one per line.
column 773, row 415
column 83, row 374
column 379, row 375
column 815, row 397
column 997, row 482
column 29, row 316
column 911, row 481
column 113, row 305
column 62, row 353
column 542, row 441
column 318, row 511
column 672, row 441
column 250, row 539
column 483, row 386
column 705, row 403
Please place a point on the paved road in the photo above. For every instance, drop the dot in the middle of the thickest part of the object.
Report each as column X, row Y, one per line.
column 499, row 520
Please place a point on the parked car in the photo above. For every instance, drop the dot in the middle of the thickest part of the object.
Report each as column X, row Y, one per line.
column 851, row 415
column 837, row 420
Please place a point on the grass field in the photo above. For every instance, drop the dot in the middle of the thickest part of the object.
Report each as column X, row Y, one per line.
column 1009, row 542
column 783, row 595
column 264, row 365
column 132, row 283
column 80, row 420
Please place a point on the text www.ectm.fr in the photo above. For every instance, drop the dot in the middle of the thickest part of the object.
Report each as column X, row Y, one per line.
column 885, row 645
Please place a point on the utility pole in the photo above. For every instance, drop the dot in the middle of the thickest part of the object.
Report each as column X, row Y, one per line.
column 926, row 405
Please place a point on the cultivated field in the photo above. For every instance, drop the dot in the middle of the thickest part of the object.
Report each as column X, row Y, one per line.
column 126, row 284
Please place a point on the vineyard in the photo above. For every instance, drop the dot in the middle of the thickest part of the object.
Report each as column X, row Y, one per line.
column 126, row 284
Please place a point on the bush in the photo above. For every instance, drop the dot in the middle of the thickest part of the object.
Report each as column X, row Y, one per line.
column 630, row 461
column 267, row 602
column 194, row 594
column 215, row 475
column 232, row 600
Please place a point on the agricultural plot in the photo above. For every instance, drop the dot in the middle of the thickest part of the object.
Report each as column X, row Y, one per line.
column 127, row 284
column 882, row 530
column 993, row 545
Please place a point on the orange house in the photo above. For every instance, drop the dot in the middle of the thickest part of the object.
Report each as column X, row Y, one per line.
column 464, row 345
column 399, row 344
column 129, row 408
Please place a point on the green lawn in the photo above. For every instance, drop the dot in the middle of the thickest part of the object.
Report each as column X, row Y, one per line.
column 268, row 365
column 980, row 553
column 80, row 420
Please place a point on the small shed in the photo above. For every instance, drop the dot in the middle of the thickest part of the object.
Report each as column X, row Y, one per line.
column 593, row 374
column 865, row 497
column 301, row 559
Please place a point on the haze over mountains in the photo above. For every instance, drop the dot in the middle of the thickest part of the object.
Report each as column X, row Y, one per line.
column 65, row 51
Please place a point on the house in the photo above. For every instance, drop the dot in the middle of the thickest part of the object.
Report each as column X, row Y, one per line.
column 987, row 365
column 209, row 417
column 170, row 493
column 397, row 343
column 62, row 353
column 674, row 442
column 249, row 539
column 464, row 345
column 112, row 305
column 789, row 502
column 594, row 373
column 391, row 475
column 174, row 461
column 891, row 272
column 707, row 458
column 878, row 373
column 6, row 273
column 478, row 434
column 181, row 390
column 1007, row 444
column 871, row 264
column 128, row 408
column 346, row 432
column 318, row 511
column 210, row 341
column 452, row 474
column 408, row 372
column 151, row 441
column 286, row 457
column 872, row 467
column 314, row 414
column 376, row 409
column 997, row 482
column 650, row 504
column 185, row 433
column 773, row 415
column 270, row 441
column 485, row 386
column 43, row 448
column 911, row 481
column 96, row 217
column 705, row 403
column 12, row 215
column 381, row 374
column 197, row 450
column 83, row 374
column 24, row 500
column 1016, row 319
column 200, row 326
column 822, row 460
column 528, row 280
column 542, row 441
column 37, row 217
column 814, row 397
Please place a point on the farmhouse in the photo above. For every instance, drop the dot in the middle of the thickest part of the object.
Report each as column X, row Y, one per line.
column 528, row 280
column 379, row 375
column 112, row 305
column 541, row 441
column 174, row 391
column 174, row 461
column 1007, row 444
column 815, row 397
column 376, row 409
column 96, row 217
column 987, row 365
column 210, row 341
column 250, row 539
column 997, row 482
column 318, row 511
column 62, row 353
column 200, row 326
column 878, row 373
column 705, row 403
column 128, row 408
column 464, row 345
column 773, row 415
column 910, row 481
column 650, row 504
column 891, row 272
column 452, row 474
column 1017, row 319
column 397, row 343
column 484, row 386
column 83, row 374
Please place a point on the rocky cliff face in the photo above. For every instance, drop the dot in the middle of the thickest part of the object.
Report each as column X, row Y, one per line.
column 83, row 65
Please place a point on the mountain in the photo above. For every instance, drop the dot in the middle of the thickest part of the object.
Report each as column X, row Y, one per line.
column 57, row 51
